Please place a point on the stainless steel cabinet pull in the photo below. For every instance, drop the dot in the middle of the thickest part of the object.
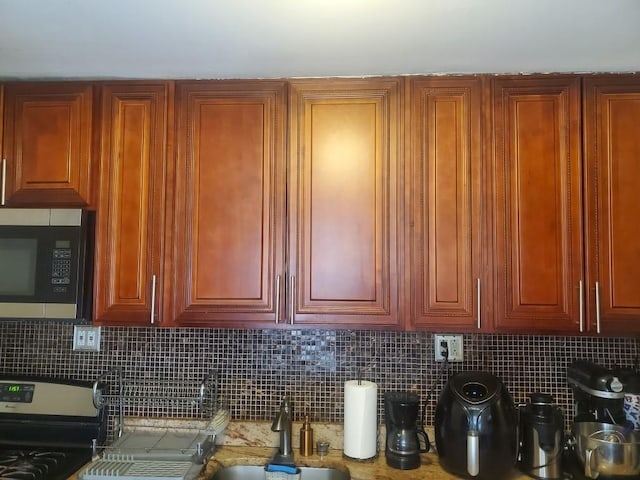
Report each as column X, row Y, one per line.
column 4, row 181
column 293, row 299
column 598, row 307
column 581, row 306
column 479, row 309
column 153, row 299
column 277, row 299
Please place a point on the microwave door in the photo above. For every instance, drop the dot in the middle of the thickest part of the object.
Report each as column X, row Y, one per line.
column 18, row 257
column 39, row 274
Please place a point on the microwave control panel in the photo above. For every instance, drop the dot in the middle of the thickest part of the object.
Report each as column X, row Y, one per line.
column 61, row 266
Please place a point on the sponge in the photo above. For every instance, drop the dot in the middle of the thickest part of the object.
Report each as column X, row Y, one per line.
column 281, row 472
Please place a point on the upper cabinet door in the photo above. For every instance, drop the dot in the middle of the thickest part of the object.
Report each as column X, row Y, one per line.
column 344, row 202
column 47, row 144
column 131, row 208
column 612, row 154
column 228, row 227
column 537, row 204
column 446, row 161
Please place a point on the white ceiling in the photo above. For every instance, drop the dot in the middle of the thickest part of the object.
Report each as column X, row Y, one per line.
column 293, row 38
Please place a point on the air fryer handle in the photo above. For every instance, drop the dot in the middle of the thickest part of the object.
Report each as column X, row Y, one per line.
column 473, row 453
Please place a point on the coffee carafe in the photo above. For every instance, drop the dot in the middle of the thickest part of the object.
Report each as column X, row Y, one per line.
column 403, row 445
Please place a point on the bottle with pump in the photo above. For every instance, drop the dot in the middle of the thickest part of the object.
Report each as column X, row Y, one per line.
column 306, row 438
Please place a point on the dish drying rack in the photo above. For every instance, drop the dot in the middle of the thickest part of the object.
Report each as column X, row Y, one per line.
column 151, row 399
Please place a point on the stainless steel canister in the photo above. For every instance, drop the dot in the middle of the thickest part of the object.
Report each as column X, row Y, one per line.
column 541, row 437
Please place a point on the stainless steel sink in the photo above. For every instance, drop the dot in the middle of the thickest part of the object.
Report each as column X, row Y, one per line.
column 254, row 472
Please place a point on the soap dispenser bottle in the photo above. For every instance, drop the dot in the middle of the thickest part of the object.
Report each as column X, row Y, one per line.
column 306, row 438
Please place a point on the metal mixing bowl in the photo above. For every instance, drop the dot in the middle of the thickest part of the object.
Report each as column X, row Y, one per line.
column 607, row 449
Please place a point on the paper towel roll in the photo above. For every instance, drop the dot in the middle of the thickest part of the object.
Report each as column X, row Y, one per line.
column 360, row 419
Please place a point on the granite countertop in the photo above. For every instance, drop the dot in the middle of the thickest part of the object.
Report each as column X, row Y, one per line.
column 227, row 455
column 253, row 443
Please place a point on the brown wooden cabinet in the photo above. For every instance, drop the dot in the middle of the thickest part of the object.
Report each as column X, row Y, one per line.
column 47, row 144
column 446, row 183
column 612, row 156
column 130, row 226
column 345, row 203
column 227, row 259
column 232, row 204
column 304, row 213
column 537, row 204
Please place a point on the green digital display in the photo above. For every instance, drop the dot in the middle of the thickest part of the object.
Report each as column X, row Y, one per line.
column 17, row 392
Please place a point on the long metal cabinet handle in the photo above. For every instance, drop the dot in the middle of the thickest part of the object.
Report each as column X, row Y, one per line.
column 4, row 181
column 581, row 306
column 293, row 299
column 598, row 307
column 153, row 299
column 277, row 299
column 479, row 309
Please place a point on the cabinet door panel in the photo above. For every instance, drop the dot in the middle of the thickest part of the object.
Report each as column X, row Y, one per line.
column 446, row 176
column 538, row 227
column 47, row 144
column 228, row 241
column 612, row 130
column 339, row 132
column 130, row 227
column 229, row 223
column 344, row 202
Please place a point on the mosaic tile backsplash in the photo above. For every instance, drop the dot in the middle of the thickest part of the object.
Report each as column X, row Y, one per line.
column 258, row 366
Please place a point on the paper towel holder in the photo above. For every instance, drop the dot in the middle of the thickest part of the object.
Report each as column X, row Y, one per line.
column 365, row 446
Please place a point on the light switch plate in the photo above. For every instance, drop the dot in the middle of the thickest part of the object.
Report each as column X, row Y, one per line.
column 86, row 338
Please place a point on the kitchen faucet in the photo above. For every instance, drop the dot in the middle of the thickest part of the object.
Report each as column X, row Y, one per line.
column 282, row 424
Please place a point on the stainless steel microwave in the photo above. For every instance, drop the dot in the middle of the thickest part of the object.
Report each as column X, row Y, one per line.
column 45, row 263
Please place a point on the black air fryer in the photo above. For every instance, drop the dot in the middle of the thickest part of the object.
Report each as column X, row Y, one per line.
column 476, row 427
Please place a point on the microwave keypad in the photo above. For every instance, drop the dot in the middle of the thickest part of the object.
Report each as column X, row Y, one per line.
column 61, row 267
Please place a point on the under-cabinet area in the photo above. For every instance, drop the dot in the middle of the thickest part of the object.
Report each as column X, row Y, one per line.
column 477, row 203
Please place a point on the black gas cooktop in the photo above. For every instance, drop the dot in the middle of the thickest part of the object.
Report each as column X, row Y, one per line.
column 40, row 464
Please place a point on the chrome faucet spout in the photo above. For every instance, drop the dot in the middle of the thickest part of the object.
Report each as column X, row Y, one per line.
column 282, row 423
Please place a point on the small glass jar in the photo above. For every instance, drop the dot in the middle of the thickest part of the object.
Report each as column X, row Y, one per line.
column 322, row 448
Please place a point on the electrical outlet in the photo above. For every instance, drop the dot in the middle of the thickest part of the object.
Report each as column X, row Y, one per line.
column 86, row 338
column 452, row 343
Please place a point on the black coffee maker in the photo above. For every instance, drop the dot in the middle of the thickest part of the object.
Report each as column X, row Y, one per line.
column 403, row 446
